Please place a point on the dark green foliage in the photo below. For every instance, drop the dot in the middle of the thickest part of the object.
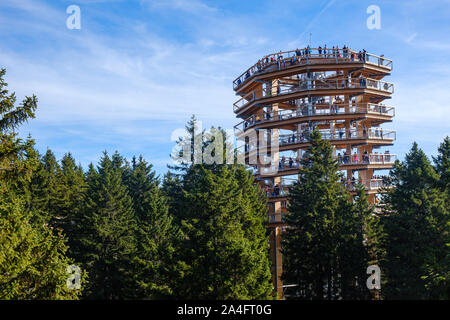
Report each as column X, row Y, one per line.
column 442, row 167
column 323, row 244
column 153, row 264
column 372, row 227
column 41, row 191
column 417, row 229
column 224, row 253
column 172, row 190
column 69, row 198
column 224, row 250
column 33, row 259
column 14, row 152
column 106, row 231
column 13, row 116
column 442, row 161
column 438, row 275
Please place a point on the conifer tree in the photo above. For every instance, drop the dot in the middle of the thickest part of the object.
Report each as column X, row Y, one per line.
column 155, row 232
column 79, row 224
column 173, row 193
column 323, row 244
column 442, row 166
column 69, row 197
column 33, row 261
column 370, row 222
column 41, row 191
column 190, row 148
column 416, row 225
column 438, row 271
column 91, row 175
column 254, row 223
column 224, row 250
column 106, row 231
column 14, row 152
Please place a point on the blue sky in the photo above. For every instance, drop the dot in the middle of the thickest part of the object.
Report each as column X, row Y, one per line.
column 138, row 69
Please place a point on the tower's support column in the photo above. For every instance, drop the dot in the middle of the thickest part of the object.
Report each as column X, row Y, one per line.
column 278, row 264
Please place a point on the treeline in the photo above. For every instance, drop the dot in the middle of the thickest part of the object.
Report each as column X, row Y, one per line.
column 200, row 231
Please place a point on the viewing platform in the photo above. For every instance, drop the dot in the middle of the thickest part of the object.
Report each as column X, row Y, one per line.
column 375, row 161
column 281, row 191
column 291, row 61
column 338, row 138
column 285, row 119
column 317, row 87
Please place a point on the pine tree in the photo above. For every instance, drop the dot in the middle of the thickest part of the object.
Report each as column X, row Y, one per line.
column 40, row 191
column 14, row 152
column 33, row 260
column 442, row 166
column 416, row 226
column 79, row 224
column 155, row 232
column 370, row 223
column 224, row 251
column 253, row 218
column 71, row 188
column 106, row 231
column 372, row 232
column 323, row 244
column 173, row 193
column 438, row 274
column 190, row 148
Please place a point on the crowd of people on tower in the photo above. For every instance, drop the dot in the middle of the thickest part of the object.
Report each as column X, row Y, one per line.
column 343, row 159
column 305, row 56
column 280, row 190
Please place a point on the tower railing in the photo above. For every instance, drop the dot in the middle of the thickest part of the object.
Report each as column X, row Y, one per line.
column 282, row 190
column 314, row 84
column 371, row 133
column 252, row 151
column 355, row 159
column 286, row 59
column 318, row 109
column 276, row 217
column 370, row 184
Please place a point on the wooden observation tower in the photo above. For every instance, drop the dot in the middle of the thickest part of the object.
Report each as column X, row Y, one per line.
column 286, row 95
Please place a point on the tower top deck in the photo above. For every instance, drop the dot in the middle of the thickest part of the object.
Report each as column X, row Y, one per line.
column 325, row 58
